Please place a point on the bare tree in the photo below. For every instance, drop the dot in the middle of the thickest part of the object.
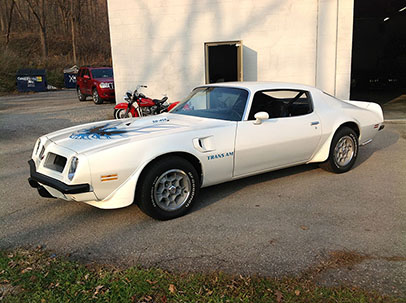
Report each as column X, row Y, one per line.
column 22, row 20
column 78, row 30
column 37, row 8
column 3, row 17
column 10, row 21
column 73, row 28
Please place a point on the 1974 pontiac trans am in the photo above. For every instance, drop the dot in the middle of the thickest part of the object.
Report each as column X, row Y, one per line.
column 220, row 132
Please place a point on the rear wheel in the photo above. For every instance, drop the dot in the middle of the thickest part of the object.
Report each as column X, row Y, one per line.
column 96, row 97
column 168, row 188
column 343, row 151
column 81, row 96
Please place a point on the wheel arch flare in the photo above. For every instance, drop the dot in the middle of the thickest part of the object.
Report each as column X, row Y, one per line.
column 323, row 152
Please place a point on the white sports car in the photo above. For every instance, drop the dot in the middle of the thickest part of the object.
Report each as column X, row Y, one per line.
column 220, row 132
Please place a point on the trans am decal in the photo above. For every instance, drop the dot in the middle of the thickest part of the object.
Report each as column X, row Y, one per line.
column 116, row 130
column 219, row 156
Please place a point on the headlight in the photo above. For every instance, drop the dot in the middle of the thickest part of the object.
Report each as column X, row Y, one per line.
column 104, row 85
column 73, row 166
column 36, row 146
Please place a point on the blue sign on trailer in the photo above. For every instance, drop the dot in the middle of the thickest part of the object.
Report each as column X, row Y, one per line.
column 31, row 80
column 70, row 80
column 69, row 75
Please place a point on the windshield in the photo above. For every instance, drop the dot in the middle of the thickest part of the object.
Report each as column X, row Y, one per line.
column 225, row 103
column 102, row 73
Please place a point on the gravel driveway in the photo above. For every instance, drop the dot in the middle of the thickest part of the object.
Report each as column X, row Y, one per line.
column 351, row 226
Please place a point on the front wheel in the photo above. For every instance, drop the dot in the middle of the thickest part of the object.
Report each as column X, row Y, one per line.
column 168, row 188
column 343, row 151
column 81, row 96
column 96, row 97
column 120, row 114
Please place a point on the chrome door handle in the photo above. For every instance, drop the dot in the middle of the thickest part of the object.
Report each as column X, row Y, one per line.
column 314, row 123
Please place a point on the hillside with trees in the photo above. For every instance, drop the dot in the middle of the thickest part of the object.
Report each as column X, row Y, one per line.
column 51, row 34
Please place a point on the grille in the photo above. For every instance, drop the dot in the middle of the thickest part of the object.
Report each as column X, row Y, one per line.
column 55, row 162
column 41, row 154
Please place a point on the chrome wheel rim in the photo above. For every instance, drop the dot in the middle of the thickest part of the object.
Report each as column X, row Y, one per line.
column 172, row 189
column 95, row 97
column 344, row 151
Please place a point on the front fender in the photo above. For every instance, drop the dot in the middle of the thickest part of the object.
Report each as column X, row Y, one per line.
column 124, row 195
column 124, row 105
column 149, row 146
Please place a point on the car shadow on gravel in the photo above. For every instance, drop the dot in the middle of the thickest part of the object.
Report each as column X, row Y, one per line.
column 212, row 194
column 365, row 152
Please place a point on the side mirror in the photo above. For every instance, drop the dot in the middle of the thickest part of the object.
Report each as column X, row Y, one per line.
column 260, row 116
column 128, row 94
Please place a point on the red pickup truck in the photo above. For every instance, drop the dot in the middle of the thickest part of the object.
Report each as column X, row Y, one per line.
column 97, row 82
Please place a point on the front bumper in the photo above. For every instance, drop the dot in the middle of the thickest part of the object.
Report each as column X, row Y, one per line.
column 106, row 93
column 36, row 178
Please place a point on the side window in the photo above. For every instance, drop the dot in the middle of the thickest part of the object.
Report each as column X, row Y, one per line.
column 281, row 103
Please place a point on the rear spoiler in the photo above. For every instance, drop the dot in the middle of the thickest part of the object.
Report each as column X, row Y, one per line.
column 372, row 106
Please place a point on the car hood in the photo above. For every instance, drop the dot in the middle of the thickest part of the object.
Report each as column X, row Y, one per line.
column 104, row 79
column 99, row 135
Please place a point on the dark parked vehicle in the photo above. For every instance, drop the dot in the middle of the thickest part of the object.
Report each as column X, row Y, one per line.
column 31, row 80
column 97, row 82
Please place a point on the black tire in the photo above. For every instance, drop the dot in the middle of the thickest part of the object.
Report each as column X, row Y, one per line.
column 119, row 113
column 96, row 97
column 150, row 194
column 81, row 96
column 343, row 151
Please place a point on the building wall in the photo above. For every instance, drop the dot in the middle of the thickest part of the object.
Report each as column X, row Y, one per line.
column 160, row 43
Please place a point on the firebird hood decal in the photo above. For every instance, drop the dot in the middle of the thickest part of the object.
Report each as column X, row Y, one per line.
column 117, row 130
column 107, row 134
column 107, row 131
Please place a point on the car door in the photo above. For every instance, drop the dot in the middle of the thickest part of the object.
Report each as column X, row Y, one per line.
column 79, row 79
column 282, row 140
column 87, row 82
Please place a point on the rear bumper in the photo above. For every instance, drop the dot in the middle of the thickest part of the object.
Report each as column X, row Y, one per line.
column 36, row 179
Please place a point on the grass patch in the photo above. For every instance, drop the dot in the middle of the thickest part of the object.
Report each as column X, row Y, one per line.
column 39, row 276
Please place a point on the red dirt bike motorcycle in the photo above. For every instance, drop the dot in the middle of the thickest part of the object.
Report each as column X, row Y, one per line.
column 138, row 105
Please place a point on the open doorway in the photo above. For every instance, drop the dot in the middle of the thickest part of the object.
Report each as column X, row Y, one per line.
column 223, row 61
column 378, row 71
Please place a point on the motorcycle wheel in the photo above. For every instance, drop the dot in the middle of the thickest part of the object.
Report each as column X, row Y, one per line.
column 120, row 114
